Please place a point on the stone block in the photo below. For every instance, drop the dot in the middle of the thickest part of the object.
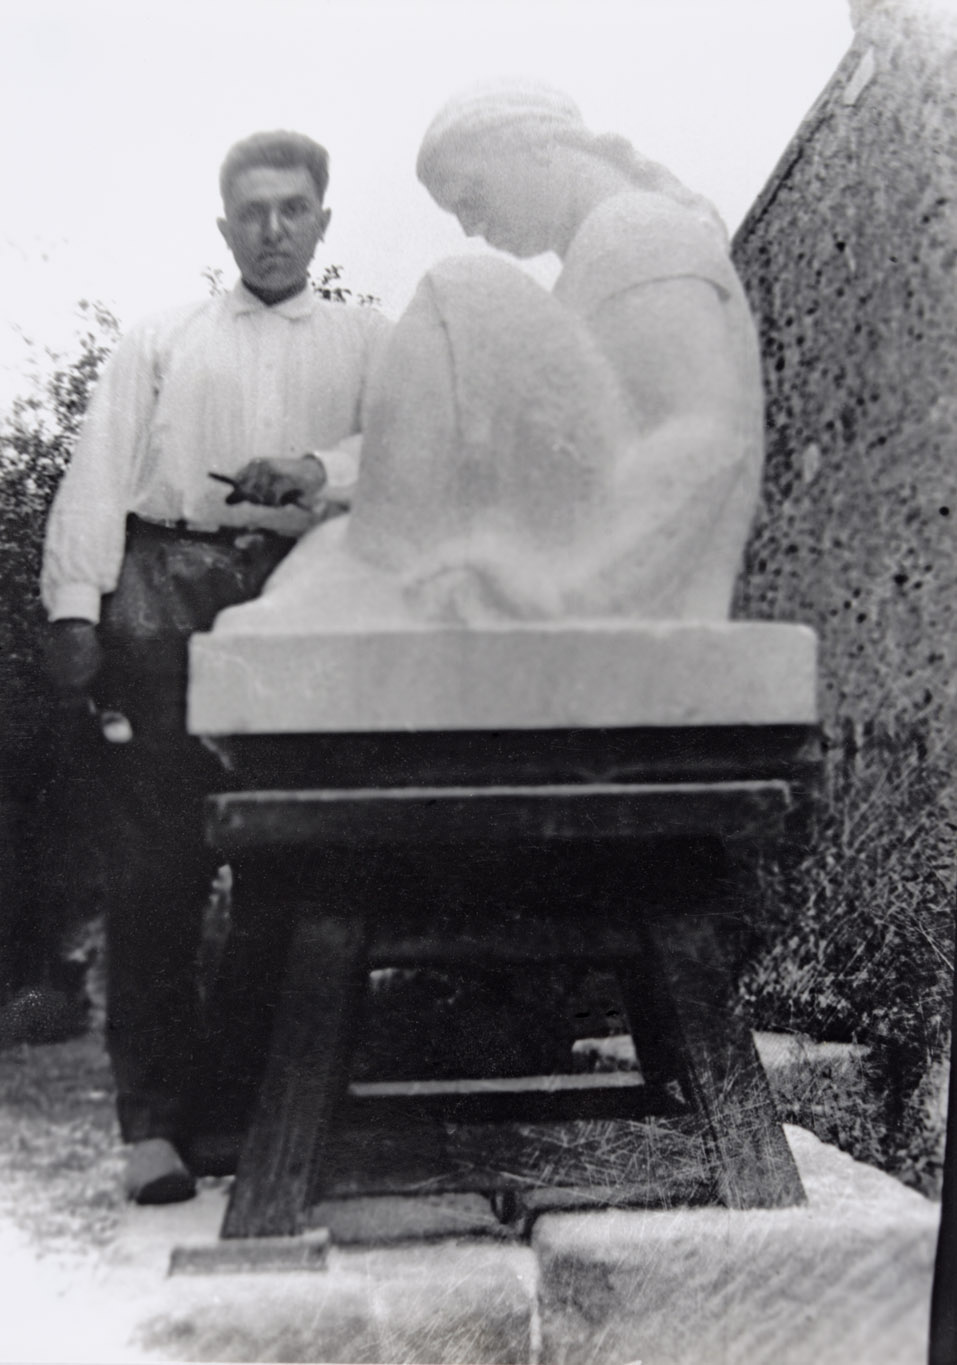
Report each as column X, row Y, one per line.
column 537, row 677
column 381, row 1219
column 845, row 1278
column 833, row 1082
column 455, row 1300
column 465, row 1301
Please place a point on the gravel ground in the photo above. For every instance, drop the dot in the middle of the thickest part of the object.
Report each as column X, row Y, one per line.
column 60, row 1203
column 60, row 1154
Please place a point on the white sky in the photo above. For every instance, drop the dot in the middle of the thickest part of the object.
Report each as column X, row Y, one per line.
column 117, row 115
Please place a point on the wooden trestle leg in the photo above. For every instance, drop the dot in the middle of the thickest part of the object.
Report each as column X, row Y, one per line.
column 306, row 1076
column 679, row 1005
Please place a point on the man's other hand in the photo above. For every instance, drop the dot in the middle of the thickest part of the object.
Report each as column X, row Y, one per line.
column 73, row 657
column 279, row 483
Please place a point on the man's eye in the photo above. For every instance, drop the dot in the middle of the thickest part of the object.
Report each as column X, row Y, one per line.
column 295, row 208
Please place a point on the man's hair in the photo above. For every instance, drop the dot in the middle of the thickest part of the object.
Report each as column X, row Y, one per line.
column 282, row 150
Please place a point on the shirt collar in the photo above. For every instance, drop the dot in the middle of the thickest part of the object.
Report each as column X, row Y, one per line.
column 241, row 300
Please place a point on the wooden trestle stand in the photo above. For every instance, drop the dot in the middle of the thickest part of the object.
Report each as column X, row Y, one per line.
column 512, row 849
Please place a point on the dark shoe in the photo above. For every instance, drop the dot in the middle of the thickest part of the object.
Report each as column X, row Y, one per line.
column 42, row 1014
column 155, row 1174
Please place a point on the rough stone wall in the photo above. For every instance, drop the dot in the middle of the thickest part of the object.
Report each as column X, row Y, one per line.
column 850, row 261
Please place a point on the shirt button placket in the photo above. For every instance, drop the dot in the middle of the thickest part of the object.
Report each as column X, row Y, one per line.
column 271, row 419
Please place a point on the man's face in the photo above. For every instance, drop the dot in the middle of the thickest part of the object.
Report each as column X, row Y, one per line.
column 274, row 222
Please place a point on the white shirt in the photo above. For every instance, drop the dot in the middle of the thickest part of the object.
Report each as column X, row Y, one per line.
column 206, row 387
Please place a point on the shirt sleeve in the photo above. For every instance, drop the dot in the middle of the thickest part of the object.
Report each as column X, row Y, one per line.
column 85, row 535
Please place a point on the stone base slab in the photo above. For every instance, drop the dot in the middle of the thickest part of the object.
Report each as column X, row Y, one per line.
column 455, row 1300
column 530, row 677
column 846, row 1278
column 469, row 1302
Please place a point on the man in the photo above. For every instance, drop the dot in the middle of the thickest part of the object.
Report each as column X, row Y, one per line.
column 143, row 548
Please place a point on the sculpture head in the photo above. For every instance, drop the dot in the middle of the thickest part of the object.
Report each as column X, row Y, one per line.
column 501, row 193
column 505, row 157
column 487, row 157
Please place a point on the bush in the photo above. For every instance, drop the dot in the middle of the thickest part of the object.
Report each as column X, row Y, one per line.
column 854, row 939
column 36, row 442
column 45, row 879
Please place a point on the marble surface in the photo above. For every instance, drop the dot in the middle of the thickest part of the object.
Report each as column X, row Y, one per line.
column 593, row 673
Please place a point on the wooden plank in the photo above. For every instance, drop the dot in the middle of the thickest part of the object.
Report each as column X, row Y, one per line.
column 484, row 1086
column 308, row 1251
column 581, row 901
column 526, row 1099
column 547, row 930
column 380, row 817
column 306, row 1075
column 499, row 757
column 720, row 1071
column 532, row 943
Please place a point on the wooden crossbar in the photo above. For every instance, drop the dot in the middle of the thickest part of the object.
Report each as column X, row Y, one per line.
column 416, row 815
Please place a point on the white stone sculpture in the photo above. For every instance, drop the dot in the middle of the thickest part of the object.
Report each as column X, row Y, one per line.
column 587, row 453
column 542, row 474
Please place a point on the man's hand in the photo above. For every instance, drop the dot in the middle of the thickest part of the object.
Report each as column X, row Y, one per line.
column 73, row 657
column 278, row 483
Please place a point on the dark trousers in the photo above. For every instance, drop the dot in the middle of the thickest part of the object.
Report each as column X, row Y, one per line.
column 173, row 583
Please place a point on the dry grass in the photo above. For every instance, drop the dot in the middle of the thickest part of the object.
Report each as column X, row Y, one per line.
column 854, row 939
